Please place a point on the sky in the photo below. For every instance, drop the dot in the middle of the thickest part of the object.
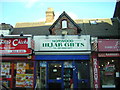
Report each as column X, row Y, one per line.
column 13, row 11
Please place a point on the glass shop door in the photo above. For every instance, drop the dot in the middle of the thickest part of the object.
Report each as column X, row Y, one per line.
column 81, row 75
column 54, row 75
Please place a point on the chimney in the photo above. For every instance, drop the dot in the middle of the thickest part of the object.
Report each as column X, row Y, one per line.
column 49, row 15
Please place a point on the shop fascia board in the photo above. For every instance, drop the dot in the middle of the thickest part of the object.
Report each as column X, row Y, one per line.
column 14, row 54
column 16, row 36
column 61, row 37
column 63, row 53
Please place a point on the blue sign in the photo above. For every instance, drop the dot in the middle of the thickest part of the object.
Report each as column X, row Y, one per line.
column 62, row 57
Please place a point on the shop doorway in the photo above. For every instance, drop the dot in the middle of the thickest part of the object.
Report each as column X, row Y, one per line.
column 81, row 74
column 55, row 75
column 109, row 72
column 76, row 75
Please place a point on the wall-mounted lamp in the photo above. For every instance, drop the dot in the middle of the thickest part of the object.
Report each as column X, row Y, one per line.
column 79, row 36
column 29, row 57
column 47, row 36
column 2, row 35
column 63, row 36
column 21, row 34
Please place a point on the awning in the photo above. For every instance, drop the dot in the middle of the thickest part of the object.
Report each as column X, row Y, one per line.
column 62, row 57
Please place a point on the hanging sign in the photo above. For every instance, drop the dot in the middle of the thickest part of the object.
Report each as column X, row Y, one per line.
column 14, row 46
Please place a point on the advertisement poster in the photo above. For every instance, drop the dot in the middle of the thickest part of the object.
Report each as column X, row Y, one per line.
column 5, row 83
column 24, row 80
column 29, row 80
column 21, row 68
column 20, row 80
column 109, row 69
column 5, row 69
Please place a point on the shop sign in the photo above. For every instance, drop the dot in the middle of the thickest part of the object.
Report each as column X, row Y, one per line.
column 64, row 44
column 109, row 55
column 96, row 82
column 14, row 46
column 109, row 45
column 96, row 76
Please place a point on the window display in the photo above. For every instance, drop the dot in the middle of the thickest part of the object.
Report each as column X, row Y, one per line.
column 68, row 78
column 42, row 74
column 5, row 70
column 5, row 73
column 108, row 69
column 17, row 74
column 24, row 75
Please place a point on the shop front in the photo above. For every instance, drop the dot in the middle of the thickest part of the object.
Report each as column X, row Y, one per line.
column 109, row 62
column 63, row 62
column 17, row 65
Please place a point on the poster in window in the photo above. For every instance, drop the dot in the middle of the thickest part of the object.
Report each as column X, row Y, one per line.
column 109, row 69
column 5, row 83
column 21, row 68
column 20, row 80
column 5, row 69
column 24, row 80
column 29, row 80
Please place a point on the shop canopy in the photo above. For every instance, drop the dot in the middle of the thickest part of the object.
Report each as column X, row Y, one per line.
column 62, row 57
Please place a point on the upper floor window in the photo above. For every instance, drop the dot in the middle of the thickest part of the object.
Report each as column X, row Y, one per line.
column 64, row 24
column 93, row 22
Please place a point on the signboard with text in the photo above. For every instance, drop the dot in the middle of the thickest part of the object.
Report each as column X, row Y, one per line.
column 14, row 46
column 66, row 44
column 108, row 54
column 109, row 45
column 96, row 71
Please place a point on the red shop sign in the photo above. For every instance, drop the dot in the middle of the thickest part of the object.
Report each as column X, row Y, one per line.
column 109, row 45
column 14, row 46
column 96, row 72
column 108, row 54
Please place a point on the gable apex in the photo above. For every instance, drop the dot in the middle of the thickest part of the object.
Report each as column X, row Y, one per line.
column 67, row 17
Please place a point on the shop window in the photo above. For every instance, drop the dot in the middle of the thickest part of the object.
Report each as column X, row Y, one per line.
column 54, row 71
column 5, row 73
column 16, row 75
column 82, row 68
column 24, row 75
column 107, row 73
column 64, row 24
column 5, row 69
column 42, row 74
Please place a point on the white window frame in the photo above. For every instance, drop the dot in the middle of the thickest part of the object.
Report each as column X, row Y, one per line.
column 64, row 24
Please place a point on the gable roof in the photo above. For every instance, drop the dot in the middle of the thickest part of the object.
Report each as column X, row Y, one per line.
column 65, row 14
column 106, row 28
column 39, row 30
column 117, row 10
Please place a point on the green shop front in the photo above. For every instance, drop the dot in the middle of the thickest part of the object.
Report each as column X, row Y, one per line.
column 63, row 62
